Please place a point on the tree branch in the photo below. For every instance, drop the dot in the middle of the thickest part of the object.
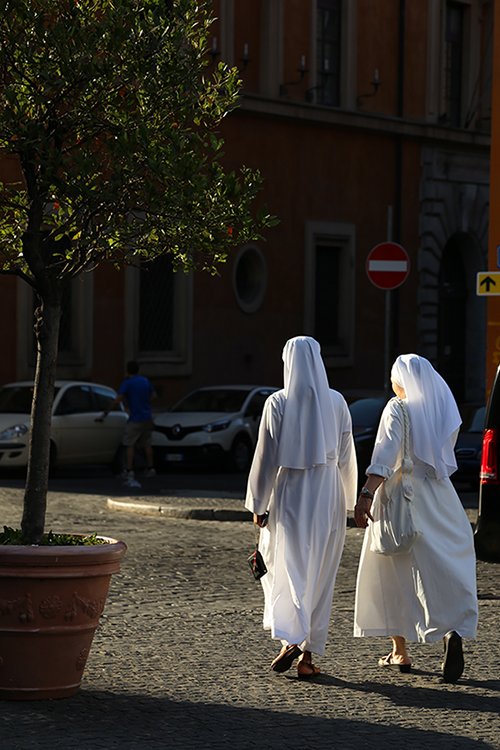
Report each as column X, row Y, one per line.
column 20, row 274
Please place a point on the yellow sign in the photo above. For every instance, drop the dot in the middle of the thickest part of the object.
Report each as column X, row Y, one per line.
column 488, row 283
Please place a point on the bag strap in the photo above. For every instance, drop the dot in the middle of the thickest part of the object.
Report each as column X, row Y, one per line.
column 405, row 447
column 257, row 534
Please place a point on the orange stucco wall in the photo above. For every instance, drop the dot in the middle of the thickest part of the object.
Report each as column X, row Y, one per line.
column 313, row 171
column 8, row 315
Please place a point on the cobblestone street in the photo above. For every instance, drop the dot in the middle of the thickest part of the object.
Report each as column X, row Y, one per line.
column 181, row 660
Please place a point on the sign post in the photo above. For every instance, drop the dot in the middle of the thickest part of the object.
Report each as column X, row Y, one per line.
column 387, row 267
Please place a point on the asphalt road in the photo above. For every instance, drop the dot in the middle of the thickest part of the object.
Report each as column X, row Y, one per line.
column 98, row 480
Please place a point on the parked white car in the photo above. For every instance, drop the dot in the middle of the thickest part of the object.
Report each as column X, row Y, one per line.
column 211, row 424
column 76, row 438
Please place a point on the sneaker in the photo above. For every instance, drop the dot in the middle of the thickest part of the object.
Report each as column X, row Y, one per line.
column 125, row 474
column 131, row 482
column 150, row 472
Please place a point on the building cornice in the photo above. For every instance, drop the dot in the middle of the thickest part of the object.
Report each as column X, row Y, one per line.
column 360, row 121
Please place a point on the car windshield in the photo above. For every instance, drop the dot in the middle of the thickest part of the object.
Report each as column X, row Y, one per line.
column 216, row 400
column 366, row 412
column 478, row 421
column 17, row 399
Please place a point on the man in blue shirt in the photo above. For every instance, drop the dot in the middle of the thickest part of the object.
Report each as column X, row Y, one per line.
column 138, row 392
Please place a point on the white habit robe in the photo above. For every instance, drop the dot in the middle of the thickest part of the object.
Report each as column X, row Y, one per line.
column 424, row 594
column 302, row 543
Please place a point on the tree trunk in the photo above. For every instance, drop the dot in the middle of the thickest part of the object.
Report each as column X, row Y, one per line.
column 47, row 316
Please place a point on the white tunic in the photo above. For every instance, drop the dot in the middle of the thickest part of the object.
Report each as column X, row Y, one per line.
column 302, row 543
column 422, row 595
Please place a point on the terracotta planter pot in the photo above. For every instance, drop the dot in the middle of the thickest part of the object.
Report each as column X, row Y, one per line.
column 51, row 599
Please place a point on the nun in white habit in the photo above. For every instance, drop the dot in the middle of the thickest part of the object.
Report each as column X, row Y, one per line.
column 304, row 472
column 429, row 593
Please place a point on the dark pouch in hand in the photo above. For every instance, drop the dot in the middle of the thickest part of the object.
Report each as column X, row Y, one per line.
column 257, row 565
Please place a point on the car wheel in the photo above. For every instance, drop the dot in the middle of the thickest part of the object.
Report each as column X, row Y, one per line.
column 241, row 454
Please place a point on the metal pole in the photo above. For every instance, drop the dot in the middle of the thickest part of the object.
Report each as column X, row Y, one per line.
column 387, row 343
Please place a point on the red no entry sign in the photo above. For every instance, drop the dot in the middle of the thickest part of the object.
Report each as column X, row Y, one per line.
column 387, row 265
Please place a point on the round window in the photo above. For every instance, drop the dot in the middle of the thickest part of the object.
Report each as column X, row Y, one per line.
column 250, row 278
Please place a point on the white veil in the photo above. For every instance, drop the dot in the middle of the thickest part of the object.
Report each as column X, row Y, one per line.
column 433, row 411
column 309, row 430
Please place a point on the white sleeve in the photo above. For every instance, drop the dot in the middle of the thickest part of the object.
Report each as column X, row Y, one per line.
column 347, row 461
column 388, row 442
column 264, row 467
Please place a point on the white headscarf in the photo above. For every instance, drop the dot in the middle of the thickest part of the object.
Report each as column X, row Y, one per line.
column 433, row 411
column 309, row 428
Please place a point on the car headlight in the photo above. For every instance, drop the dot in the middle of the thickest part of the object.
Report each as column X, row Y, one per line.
column 217, row 426
column 12, row 433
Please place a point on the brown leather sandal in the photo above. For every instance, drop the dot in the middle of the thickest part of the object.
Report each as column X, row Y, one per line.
column 308, row 675
column 284, row 661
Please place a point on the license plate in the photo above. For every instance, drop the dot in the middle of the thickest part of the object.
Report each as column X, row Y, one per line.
column 174, row 457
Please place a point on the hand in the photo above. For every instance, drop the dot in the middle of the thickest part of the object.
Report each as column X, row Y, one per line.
column 258, row 519
column 362, row 511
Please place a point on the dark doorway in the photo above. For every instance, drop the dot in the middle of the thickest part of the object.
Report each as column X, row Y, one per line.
column 452, row 318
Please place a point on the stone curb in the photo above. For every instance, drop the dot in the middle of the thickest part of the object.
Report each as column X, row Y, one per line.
column 211, row 514
column 192, row 514
column 168, row 511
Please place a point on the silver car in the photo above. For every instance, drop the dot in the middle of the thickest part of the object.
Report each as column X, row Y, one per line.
column 76, row 438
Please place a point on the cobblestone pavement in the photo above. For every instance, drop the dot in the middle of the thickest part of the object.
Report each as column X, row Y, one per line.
column 181, row 660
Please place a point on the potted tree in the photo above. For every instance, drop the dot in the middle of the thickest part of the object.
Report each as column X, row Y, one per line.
column 108, row 152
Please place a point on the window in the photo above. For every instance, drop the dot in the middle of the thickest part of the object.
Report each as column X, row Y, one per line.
column 75, row 330
column 454, row 36
column 156, row 303
column 76, row 400
column 69, row 343
column 104, row 397
column 250, row 278
column 256, row 405
column 329, row 293
column 213, row 400
column 16, row 400
column 158, row 317
column 328, row 52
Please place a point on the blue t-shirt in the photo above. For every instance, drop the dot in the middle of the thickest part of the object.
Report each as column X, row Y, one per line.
column 137, row 390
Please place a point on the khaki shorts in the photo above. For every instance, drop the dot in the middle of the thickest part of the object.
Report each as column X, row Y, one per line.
column 138, row 434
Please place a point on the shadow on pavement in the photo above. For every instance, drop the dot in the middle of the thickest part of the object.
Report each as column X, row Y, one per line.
column 408, row 695
column 98, row 480
column 95, row 719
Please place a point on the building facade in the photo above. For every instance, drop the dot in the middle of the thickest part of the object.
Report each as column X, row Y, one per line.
column 368, row 121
